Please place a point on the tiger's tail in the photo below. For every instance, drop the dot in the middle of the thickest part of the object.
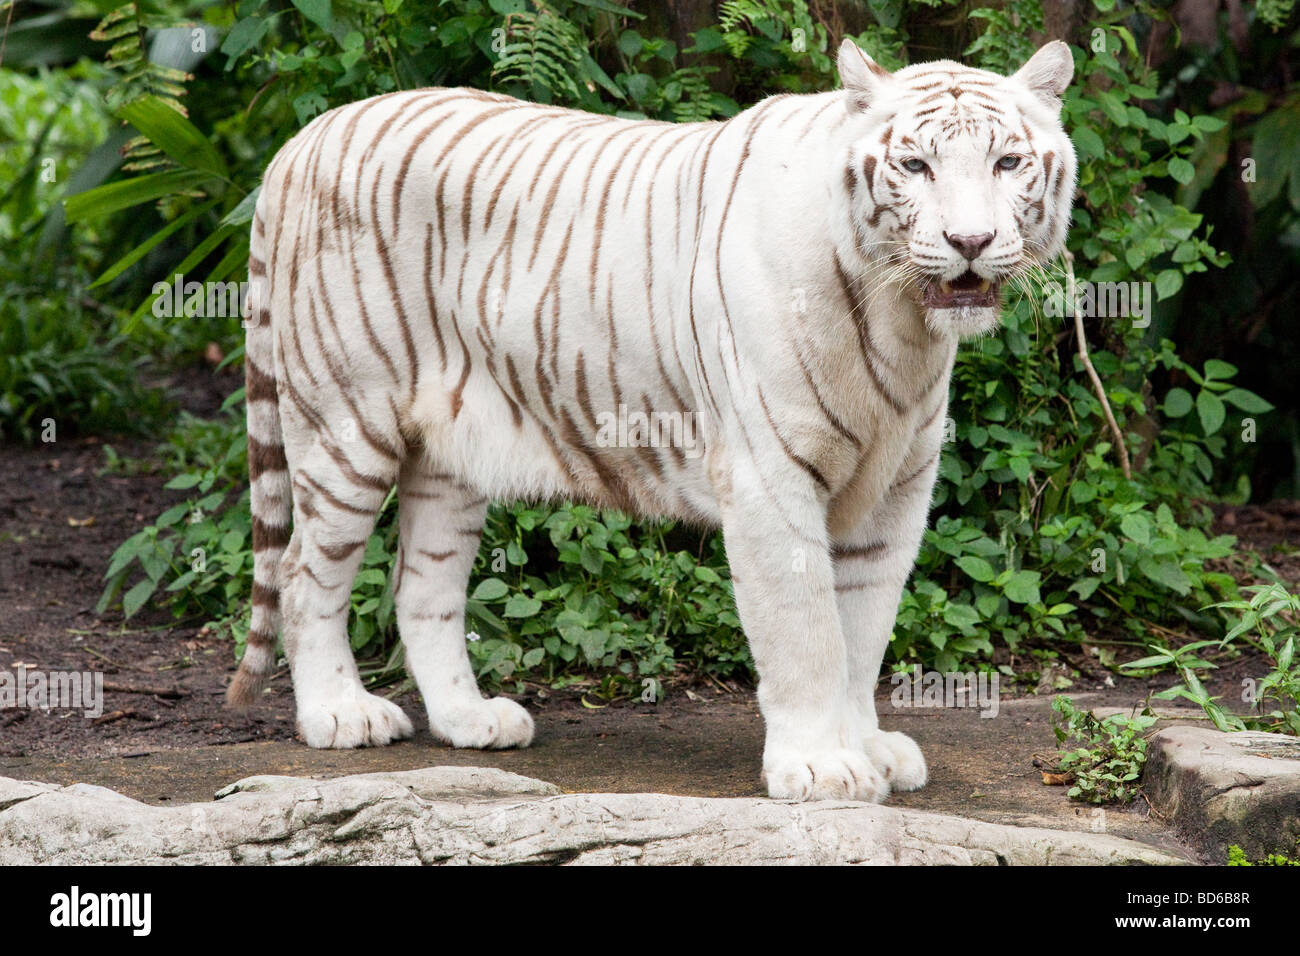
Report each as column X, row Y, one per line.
column 268, row 472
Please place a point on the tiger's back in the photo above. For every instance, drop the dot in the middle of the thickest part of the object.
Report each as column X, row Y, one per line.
column 512, row 275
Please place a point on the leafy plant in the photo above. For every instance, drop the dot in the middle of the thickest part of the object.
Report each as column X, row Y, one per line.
column 1237, row 857
column 1270, row 615
column 1113, row 751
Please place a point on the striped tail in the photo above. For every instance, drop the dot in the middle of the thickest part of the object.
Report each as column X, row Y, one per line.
column 270, row 494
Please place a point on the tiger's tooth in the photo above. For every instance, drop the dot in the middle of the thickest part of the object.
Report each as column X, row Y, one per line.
column 945, row 287
column 984, row 286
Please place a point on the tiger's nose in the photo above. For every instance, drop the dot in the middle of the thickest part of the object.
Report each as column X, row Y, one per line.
column 970, row 246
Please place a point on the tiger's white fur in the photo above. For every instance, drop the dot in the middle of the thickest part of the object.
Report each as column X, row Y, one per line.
column 450, row 287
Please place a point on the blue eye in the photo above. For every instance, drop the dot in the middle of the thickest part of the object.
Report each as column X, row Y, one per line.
column 1009, row 162
column 915, row 165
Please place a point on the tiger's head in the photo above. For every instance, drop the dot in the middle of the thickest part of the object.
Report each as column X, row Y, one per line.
column 960, row 179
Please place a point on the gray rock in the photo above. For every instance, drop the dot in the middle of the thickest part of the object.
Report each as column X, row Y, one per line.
column 1223, row 788
column 467, row 815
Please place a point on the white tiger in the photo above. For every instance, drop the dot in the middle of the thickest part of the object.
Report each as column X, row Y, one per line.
column 452, row 288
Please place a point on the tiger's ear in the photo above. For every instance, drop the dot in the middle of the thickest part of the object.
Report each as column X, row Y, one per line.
column 862, row 76
column 1048, row 72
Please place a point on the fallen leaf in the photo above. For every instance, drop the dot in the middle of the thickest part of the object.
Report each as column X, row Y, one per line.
column 81, row 522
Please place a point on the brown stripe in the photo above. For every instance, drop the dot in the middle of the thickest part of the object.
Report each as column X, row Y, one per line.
column 916, row 474
column 265, row 597
column 427, row 276
column 264, row 457
column 260, row 639
column 610, row 178
column 340, row 552
column 400, row 180
column 799, row 460
column 859, row 322
column 268, row 536
column 860, row 552
column 394, row 294
column 333, row 499
column 258, row 385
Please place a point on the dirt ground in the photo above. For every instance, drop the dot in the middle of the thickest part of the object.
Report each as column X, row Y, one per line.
column 165, row 736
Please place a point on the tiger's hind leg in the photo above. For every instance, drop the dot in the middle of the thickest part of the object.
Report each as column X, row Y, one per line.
column 440, row 523
column 334, row 512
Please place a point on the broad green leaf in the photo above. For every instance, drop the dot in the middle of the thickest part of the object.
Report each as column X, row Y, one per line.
column 1022, row 588
column 113, row 197
column 1217, row 368
column 1166, row 571
column 1181, row 170
column 1168, row 282
column 1247, row 401
column 1178, row 402
column 135, row 598
column 243, row 213
column 520, row 605
column 1137, row 527
column 318, row 12
column 977, row 568
column 174, row 135
column 243, row 35
column 1209, row 407
column 490, row 589
column 1087, row 142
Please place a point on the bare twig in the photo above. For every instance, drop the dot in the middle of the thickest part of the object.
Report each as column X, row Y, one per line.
column 1092, row 374
column 170, row 692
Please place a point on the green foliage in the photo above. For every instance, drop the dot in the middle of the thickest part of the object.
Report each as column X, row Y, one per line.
column 1112, row 752
column 127, row 28
column 558, row 593
column 196, row 557
column 1267, row 624
column 555, row 593
column 47, row 121
column 1274, row 13
column 1237, row 857
column 55, row 365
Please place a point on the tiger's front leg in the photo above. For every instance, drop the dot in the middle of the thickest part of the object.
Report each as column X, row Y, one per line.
column 872, row 564
column 785, row 595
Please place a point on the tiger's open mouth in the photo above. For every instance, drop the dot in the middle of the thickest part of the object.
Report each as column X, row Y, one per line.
column 967, row 290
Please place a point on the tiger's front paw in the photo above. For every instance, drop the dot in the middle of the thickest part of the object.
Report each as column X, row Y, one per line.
column 831, row 774
column 483, row 724
column 897, row 759
column 354, row 719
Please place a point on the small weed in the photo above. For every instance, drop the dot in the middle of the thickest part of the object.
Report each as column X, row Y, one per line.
column 1107, row 766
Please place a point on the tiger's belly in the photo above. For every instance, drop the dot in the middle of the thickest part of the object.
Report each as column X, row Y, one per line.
column 586, row 425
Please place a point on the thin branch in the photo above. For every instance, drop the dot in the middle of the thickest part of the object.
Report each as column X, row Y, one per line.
column 1092, row 374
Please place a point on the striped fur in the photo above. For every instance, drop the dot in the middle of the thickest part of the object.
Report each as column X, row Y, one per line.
column 454, row 292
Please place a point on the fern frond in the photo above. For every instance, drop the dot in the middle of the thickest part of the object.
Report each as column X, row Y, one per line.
column 543, row 52
column 127, row 29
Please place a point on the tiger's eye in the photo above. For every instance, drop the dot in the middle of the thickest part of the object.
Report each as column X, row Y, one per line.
column 1009, row 162
column 915, row 165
